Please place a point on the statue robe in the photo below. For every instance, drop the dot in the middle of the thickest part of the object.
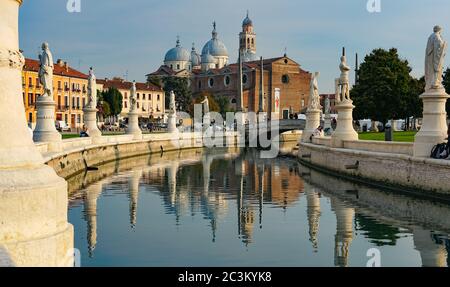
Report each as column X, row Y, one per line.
column 434, row 61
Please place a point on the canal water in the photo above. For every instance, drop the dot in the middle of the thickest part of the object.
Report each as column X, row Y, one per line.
column 229, row 207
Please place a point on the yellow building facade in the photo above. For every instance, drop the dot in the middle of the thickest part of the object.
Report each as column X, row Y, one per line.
column 69, row 93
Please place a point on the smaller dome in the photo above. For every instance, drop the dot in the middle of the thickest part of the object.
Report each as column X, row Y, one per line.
column 177, row 54
column 247, row 21
column 195, row 57
column 208, row 58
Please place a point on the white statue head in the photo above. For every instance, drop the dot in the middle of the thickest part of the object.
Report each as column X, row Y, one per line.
column 44, row 46
column 317, row 74
column 437, row 29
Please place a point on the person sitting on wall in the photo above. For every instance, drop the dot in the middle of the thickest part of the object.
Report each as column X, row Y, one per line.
column 83, row 133
column 317, row 133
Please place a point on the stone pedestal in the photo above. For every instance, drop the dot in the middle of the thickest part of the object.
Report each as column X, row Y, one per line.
column 133, row 126
column 45, row 130
column 344, row 129
column 33, row 199
column 327, row 125
column 434, row 123
column 312, row 123
column 90, row 122
column 172, row 123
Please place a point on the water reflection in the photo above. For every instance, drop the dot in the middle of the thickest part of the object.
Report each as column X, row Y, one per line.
column 282, row 213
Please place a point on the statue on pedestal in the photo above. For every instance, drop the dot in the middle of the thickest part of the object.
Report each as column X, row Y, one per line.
column 327, row 105
column 133, row 97
column 92, row 90
column 46, row 70
column 314, row 97
column 344, row 81
column 434, row 60
column 205, row 104
column 172, row 105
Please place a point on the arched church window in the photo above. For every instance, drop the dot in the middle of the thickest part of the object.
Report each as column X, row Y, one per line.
column 211, row 82
column 227, row 80
column 285, row 79
column 199, row 84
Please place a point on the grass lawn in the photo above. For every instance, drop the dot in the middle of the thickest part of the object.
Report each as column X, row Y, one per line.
column 398, row 136
column 70, row 136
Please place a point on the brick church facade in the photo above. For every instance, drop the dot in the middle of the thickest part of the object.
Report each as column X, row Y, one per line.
column 285, row 84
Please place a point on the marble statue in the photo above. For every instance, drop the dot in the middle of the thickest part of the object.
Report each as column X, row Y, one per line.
column 344, row 80
column 92, row 89
column 172, row 105
column 133, row 97
column 205, row 104
column 314, row 98
column 434, row 59
column 46, row 70
column 327, row 105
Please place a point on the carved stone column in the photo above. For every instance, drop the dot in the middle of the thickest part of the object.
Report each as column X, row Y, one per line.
column 344, row 129
column 33, row 199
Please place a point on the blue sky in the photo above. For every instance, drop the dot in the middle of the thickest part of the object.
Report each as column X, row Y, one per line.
column 117, row 36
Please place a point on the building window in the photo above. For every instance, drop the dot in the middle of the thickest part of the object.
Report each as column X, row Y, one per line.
column 66, row 101
column 233, row 101
column 138, row 96
column 137, row 105
column 84, row 102
column 143, row 96
column 38, row 84
column 285, row 79
column 126, row 105
column 211, row 82
column 30, row 99
column 159, row 97
column 244, row 79
column 126, row 95
column 79, row 119
column 30, row 82
column 171, row 66
column 178, row 66
column 227, row 81
column 199, row 84
column 253, row 41
column 78, row 103
column 30, row 117
column 149, row 97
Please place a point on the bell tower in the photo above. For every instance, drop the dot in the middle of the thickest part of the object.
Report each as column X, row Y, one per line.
column 247, row 38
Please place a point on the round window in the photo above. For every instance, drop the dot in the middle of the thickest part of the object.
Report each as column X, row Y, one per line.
column 211, row 82
column 285, row 79
column 244, row 79
column 233, row 101
column 227, row 80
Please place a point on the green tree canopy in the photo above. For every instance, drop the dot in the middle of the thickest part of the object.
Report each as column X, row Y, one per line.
column 114, row 99
column 446, row 83
column 385, row 89
column 180, row 86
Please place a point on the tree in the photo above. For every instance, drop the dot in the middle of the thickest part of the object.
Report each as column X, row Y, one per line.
column 385, row 89
column 155, row 80
column 446, row 83
column 180, row 86
column 223, row 104
column 114, row 99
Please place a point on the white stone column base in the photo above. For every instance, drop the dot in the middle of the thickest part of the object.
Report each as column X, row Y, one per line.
column 344, row 129
column 45, row 130
column 172, row 124
column 90, row 122
column 434, row 123
column 312, row 123
column 133, row 126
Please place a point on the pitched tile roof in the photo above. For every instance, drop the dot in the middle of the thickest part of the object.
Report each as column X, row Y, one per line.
column 121, row 84
column 33, row 65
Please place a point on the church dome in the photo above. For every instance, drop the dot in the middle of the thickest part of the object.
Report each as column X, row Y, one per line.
column 177, row 54
column 215, row 47
column 247, row 21
column 207, row 58
column 195, row 57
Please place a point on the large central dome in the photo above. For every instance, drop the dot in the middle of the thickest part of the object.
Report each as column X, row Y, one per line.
column 215, row 47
